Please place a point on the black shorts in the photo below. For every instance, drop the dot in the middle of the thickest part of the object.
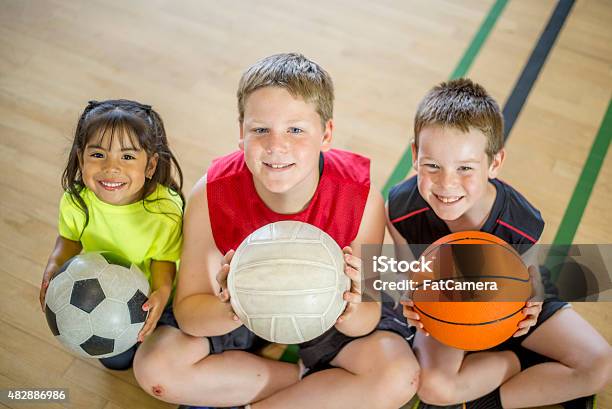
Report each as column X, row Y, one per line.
column 527, row 357
column 315, row 354
column 319, row 352
column 239, row 339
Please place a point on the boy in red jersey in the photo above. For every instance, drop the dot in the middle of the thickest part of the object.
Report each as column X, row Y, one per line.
column 284, row 170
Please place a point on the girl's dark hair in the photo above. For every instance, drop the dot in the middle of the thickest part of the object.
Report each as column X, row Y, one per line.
column 145, row 130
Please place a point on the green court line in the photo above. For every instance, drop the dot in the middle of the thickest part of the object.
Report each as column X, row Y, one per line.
column 582, row 192
column 399, row 173
column 586, row 181
column 485, row 29
column 405, row 163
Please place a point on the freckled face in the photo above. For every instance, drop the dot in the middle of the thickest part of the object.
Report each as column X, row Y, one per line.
column 453, row 170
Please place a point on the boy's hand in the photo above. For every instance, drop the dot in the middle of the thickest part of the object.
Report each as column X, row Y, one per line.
column 47, row 276
column 531, row 311
column 155, row 306
column 352, row 268
column 532, row 308
column 224, row 295
column 412, row 316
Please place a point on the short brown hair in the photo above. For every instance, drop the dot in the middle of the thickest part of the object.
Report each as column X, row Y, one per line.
column 295, row 73
column 462, row 104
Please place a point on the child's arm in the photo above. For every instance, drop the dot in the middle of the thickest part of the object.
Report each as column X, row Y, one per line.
column 162, row 276
column 63, row 251
column 197, row 309
column 532, row 308
column 361, row 318
column 402, row 252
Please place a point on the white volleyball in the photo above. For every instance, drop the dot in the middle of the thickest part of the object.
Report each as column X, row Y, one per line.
column 286, row 282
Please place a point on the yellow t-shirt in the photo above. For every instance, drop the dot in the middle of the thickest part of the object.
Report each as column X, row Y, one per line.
column 139, row 232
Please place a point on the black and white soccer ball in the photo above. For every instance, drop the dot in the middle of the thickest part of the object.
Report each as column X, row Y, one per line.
column 94, row 304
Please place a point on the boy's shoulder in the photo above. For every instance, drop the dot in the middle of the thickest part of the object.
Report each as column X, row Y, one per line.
column 226, row 166
column 412, row 217
column 347, row 166
column 521, row 221
column 405, row 201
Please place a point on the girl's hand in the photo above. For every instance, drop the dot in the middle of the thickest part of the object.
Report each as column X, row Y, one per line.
column 412, row 316
column 224, row 295
column 352, row 268
column 46, row 279
column 155, row 306
column 62, row 252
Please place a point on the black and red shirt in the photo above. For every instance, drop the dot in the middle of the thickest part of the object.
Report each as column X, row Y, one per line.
column 512, row 218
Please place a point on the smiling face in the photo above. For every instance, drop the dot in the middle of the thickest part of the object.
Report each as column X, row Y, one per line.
column 282, row 137
column 453, row 171
column 114, row 168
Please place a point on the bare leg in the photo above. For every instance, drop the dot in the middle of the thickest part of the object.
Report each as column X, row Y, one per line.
column 177, row 368
column 377, row 371
column 583, row 367
column 449, row 377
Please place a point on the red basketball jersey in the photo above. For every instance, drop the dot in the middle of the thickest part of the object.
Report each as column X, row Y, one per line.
column 236, row 210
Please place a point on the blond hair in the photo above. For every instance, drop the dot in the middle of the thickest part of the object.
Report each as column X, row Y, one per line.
column 462, row 104
column 295, row 73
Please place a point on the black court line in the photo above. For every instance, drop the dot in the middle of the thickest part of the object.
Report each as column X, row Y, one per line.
column 536, row 61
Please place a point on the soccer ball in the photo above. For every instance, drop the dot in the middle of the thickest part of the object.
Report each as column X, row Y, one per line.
column 286, row 282
column 94, row 304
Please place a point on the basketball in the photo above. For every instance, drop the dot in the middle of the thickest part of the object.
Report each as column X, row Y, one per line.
column 474, row 294
column 286, row 282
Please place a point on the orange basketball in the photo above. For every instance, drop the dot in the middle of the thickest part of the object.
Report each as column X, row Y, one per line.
column 474, row 294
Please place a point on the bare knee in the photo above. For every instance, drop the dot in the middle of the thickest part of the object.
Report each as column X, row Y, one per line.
column 437, row 388
column 163, row 358
column 149, row 370
column 397, row 382
column 595, row 372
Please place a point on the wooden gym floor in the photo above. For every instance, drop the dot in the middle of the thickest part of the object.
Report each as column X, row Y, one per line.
column 185, row 59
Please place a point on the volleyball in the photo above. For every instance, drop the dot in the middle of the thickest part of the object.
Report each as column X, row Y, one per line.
column 286, row 282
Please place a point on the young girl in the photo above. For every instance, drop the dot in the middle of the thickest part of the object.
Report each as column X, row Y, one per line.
column 122, row 194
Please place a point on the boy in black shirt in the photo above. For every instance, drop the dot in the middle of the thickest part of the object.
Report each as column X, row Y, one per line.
column 457, row 153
